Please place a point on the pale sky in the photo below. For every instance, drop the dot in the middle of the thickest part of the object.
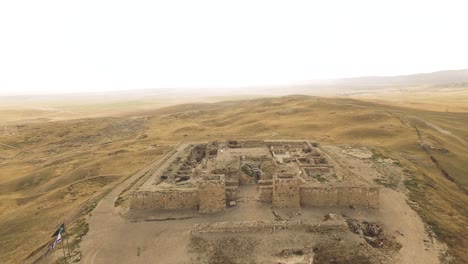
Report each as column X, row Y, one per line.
column 81, row 46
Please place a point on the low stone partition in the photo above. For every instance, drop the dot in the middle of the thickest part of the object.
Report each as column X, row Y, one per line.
column 231, row 193
column 280, row 143
column 319, row 169
column 231, row 182
column 265, row 182
column 165, row 199
column 252, row 143
column 270, row 225
column 328, row 165
column 339, row 195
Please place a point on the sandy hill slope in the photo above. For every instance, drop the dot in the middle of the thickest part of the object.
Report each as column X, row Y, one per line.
column 52, row 171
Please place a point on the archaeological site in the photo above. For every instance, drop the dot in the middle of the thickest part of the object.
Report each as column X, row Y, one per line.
column 287, row 174
column 251, row 200
column 260, row 201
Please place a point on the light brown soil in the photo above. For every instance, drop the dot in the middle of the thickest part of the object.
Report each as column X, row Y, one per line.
column 145, row 237
column 436, row 178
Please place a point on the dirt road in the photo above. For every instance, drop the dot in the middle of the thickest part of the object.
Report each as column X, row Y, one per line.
column 443, row 131
column 113, row 239
column 104, row 222
column 13, row 147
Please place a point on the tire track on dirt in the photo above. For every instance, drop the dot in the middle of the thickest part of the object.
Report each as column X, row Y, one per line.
column 442, row 131
column 103, row 213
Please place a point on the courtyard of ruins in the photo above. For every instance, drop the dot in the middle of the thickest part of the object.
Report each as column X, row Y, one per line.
column 287, row 174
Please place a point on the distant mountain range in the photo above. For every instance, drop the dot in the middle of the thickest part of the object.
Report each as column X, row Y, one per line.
column 330, row 87
column 451, row 77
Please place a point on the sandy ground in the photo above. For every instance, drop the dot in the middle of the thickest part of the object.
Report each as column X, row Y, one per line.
column 394, row 212
column 114, row 239
column 443, row 131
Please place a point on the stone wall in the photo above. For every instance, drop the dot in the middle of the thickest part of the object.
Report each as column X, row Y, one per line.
column 252, row 143
column 314, row 169
column 286, row 193
column 339, row 196
column 231, row 193
column 280, row 143
column 265, row 190
column 265, row 193
column 212, row 195
column 270, row 226
column 164, row 199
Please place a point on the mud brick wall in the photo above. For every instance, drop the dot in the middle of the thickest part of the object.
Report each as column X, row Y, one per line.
column 317, row 169
column 319, row 196
column 286, row 193
column 231, row 182
column 320, row 165
column 265, row 193
column 252, row 143
column 231, row 193
column 373, row 197
column 265, row 190
column 212, row 196
column 298, row 143
column 265, row 182
column 164, row 199
column 339, row 196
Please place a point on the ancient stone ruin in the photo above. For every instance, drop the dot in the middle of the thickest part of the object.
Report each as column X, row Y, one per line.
column 288, row 174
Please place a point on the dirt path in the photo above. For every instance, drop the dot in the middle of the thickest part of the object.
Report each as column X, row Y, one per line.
column 432, row 125
column 443, row 131
column 394, row 213
column 13, row 147
column 271, row 135
column 113, row 239
column 104, row 222
column 408, row 227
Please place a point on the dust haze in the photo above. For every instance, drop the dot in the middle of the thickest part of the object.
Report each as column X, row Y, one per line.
column 357, row 170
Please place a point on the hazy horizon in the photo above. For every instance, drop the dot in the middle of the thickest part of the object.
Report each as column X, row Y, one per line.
column 312, row 85
column 55, row 47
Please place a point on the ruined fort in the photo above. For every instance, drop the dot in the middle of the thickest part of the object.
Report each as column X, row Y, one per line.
column 287, row 174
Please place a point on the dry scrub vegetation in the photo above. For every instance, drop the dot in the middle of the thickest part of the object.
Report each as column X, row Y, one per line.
column 49, row 170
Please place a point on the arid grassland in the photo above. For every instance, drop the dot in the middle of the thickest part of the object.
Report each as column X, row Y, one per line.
column 54, row 167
